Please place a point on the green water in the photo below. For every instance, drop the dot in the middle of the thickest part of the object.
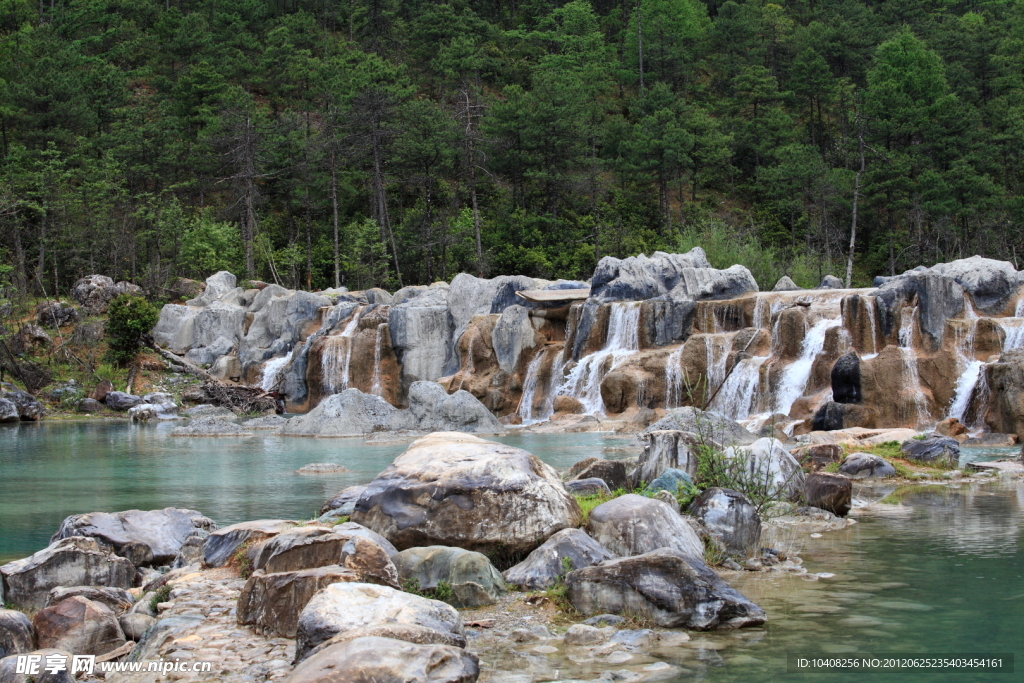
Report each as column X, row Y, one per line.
column 939, row 574
column 51, row 470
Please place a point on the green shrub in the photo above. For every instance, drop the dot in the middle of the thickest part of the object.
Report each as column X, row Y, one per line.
column 130, row 320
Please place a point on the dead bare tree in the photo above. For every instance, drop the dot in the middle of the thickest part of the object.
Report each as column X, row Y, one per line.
column 242, row 153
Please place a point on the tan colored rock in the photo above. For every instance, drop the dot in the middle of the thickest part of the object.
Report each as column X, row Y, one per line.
column 78, row 625
column 271, row 603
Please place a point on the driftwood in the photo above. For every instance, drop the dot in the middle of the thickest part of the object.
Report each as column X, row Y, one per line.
column 236, row 397
column 189, row 367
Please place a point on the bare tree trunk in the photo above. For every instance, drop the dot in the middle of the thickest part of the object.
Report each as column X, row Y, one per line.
column 471, row 164
column 856, row 197
column 334, row 209
column 41, row 263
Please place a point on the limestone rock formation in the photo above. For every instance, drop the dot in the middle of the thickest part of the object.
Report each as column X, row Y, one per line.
column 310, row 547
column 707, row 425
column 161, row 532
column 459, row 490
column 633, row 525
column 768, row 461
column 117, row 599
column 684, row 276
column 346, row 611
column 670, row 588
column 612, row 472
column 567, row 550
column 95, row 292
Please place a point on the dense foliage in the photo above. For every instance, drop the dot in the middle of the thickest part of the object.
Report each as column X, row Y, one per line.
column 377, row 142
column 130, row 319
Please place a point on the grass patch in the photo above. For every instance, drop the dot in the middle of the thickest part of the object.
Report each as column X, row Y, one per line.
column 240, row 561
column 831, row 468
column 342, row 520
column 443, row 590
column 162, row 594
column 906, row 469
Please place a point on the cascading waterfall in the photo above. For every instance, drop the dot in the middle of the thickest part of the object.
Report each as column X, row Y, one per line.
column 970, row 367
column 871, row 305
column 1019, row 311
column 717, row 350
column 739, row 396
column 584, row 382
column 674, row 379
column 336, row 355
column 530, row 387
column 762, row 313
column 376, row 387
column 555, row 381
column 273, row 369
column 911, row 378
column 1013, row 333
column 795, row 376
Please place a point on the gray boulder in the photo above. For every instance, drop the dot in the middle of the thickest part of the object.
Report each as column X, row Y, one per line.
column 380, row 660
column 174, row 327
column 134, row 626
column 161, row 531
column 664, row 449
column 76, row 561
column 191, row 551
column 587, row 487
column 670, row 588
column 469, row 296
column 223, row 544
column 211, row 426
column 706, row 425
column 459, row 490
column 666, row 321
column 432, row 409
column 89, row 405
column 271, row 603
column 830, row 282
column 16, row 634
column 567, row 550
column 29, row 409
column 866, row 465
column 218, row 286
column 767, row 461
column 344, row 502
column 350, row 413
column 634, row 525
column 78, row 625
column 119, row 400
column 785, row 284
column 8, row 412
column 56, row 314
column 207, row 355
column 670, row 481
column 95, row 292
column 421, row 335
column 346, row 611
column 472, row 578
column 942, row 451
column 310, row 547
column 612, row 472
column 406, row 294
column 730, row 517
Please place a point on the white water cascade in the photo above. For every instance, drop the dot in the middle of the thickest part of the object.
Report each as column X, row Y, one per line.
column 717, row 349
column 530, row 388
column 795, row 376
column 1013, row 333
column 911, row 378
column 376, row 387
column 273, row 369
column 674, row 379
column 584, row 382
column 739, row 396
column 336, row 355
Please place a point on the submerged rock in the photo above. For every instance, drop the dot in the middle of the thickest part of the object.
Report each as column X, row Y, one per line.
column 670, row 588
column 730, row 517
column 567, row 550
column 471, row 577
column 211, row 426
column 459, row 490
column 160, row 531
column 633, row 525
column 373, row 659
column 346, row 611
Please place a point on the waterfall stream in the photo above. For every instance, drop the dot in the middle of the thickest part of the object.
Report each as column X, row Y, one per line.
column 739, row 396
column 376, row 387
column 674, row 379
column 336, row 355
column 273, row 369
column 911, row 377
column 530, row 388
column 623, row 340
column 795, row 376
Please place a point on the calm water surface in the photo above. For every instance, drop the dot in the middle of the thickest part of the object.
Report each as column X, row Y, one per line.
column 941, row 572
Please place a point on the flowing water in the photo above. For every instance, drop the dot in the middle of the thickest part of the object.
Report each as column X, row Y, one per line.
column 530, row 388
column 739, row 396
column 584, row 382
column 674, row 379
column 376, row 386
column 911, row 378
column 336, row 355
column 795, row 376
column 273, row 369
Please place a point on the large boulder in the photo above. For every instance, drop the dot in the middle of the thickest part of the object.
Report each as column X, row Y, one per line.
column 16, row 633
column 421, row 335
column 1006, row 383
column 634, row 525
column 350, row 413
column 845, row 378
column 29, row 409
column 117, row 599
column 383, row 660
column 768, row 462
column 670, row 588
column 78, row 625
column 344, row 502
column 8, row 412
column 76, row 561
column 678, row 276
column 11, row 667
column 271, row 603
column 664, row 449
column 731, row 518
column 309, row 547
column 470, row 296
column 785, row 284
column 472, row 578
column 356, row 610
column 512, row 334
column 830, row 492
column 817, row 456
column 160, row 531
column 941, row 451
column 95, row 292
column 612, row 472
column 119, row 400
column 707, row 426
column 567, row 550
column 459, row 490
column 833, row 416
column 866, row 465
column 431, row 409
column 56, row 314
